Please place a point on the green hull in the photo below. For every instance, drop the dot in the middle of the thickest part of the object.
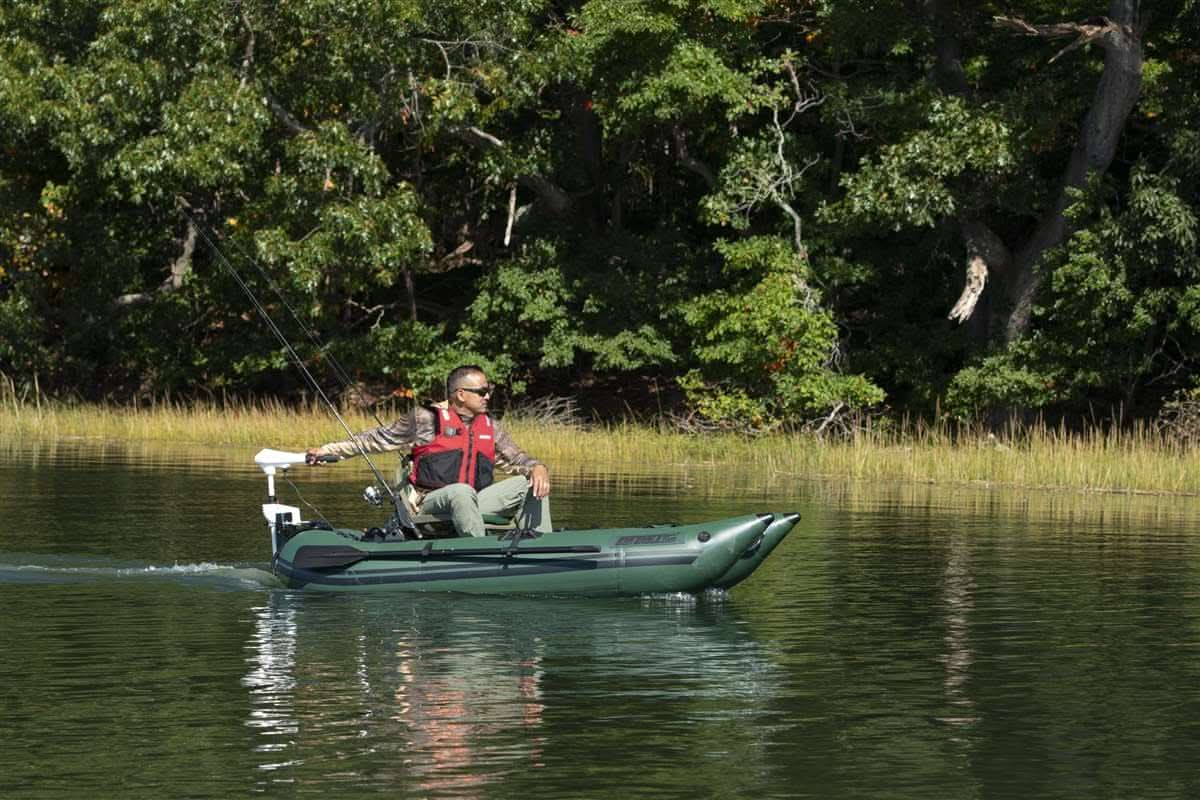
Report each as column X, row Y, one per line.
column 750, row 560
column 619, row 561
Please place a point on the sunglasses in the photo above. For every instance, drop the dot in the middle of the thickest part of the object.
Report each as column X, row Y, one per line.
column 486, row 391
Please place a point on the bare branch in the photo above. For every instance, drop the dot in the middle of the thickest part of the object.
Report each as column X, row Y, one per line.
column 985, row 252
column 445, row 55
column 512, row 214
column 1055, row 30
column 833, row 415
column 806, row 98
column 377, row 311
column 475, row 136
column 180, row 268
column 456, row 258
column 554, row 197
column 1084, row 32
column 283, row 115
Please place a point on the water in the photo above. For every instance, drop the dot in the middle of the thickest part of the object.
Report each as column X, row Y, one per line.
column 903, row 642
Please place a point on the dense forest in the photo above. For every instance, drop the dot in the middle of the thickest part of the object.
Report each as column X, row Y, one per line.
column 744, row 210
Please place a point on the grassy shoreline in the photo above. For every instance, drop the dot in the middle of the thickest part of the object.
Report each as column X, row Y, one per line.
column 1037, row 457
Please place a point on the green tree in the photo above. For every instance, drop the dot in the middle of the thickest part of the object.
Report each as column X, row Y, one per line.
column 788, row 210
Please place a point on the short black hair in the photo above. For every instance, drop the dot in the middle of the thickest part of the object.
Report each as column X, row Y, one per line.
column 455, row 378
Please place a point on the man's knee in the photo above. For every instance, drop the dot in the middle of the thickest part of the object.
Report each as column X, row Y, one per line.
column 517, row 484
column 462, row 493
column 504, row 496
column 455, row 495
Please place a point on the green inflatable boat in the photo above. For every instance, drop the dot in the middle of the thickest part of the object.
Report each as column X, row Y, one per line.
column 617, row 561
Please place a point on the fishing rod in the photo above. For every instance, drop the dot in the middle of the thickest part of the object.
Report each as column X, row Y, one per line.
column 339, row 372
column 402, row 514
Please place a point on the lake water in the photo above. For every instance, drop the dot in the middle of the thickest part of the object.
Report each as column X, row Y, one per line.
column 905, row 641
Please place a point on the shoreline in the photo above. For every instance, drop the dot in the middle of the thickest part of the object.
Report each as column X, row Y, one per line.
column 1138, row 462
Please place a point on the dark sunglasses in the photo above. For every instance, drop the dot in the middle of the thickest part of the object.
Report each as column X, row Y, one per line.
column 486, row 391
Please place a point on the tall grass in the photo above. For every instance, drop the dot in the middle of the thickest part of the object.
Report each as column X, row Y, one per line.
column 1136, row 460
column 1035, row 456
column 254, row 423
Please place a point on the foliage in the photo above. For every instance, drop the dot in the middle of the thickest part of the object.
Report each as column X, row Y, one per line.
column 536, row 310
column 765, row 348
column 918, row 181
column 759, row 204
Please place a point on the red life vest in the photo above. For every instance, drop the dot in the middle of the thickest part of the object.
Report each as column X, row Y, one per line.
column 459, row 453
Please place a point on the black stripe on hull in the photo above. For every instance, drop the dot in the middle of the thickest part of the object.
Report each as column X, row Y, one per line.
column 454, row 572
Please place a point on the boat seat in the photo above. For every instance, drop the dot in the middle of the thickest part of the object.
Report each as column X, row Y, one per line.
column 440, row 524
column 437, row 526
column 490, row 520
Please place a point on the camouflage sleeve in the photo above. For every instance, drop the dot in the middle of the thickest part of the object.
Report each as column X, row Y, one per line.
column 400, row 435
column 509, row 456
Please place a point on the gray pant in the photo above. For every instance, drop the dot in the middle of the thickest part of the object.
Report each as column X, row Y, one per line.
column 466, row 506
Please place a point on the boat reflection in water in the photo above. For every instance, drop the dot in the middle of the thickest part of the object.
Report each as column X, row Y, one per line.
column 446, row 695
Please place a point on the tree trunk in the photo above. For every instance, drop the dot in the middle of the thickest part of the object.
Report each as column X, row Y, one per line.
column 1117, row 92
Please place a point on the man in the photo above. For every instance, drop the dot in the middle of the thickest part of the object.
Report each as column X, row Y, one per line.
column 455, row 447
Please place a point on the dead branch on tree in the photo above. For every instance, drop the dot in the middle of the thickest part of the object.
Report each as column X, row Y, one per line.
column 180, row 268
column 1084, row 32
column 555, row 199
column 985, row 253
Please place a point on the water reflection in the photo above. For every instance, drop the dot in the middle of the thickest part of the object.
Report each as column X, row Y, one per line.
column 437, row 696
column 904, row 641
column 957, row 600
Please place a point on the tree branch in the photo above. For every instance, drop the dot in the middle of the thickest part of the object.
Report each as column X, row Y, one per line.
column 985, row 253
column 512, row 214
column 805, row 99
column 1085, row 32
column 180, row 268
column 283, row 115
column 557, row 200
column 681, row 153
column 455, row 258
column 474, row 136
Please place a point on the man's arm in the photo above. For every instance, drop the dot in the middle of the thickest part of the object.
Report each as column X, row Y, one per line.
column 400, row 435
column 511, row 458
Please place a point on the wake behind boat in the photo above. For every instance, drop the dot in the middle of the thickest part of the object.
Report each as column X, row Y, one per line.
column 615, row 561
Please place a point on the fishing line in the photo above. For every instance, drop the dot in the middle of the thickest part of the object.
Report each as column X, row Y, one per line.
column 295, row 357
column 296, row 489
column 322, row 349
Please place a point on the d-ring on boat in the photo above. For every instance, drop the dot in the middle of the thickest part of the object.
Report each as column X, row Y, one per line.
column 616, row 561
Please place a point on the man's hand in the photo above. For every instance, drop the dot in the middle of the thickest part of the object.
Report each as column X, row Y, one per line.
column 313, row 456
column 539, row 481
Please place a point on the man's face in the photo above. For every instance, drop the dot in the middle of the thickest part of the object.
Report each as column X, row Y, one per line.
column 473, row 393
